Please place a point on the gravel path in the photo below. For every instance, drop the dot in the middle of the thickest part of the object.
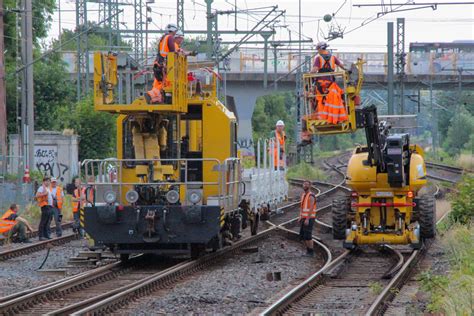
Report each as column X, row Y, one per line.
column 18, row 274
column 235, row 285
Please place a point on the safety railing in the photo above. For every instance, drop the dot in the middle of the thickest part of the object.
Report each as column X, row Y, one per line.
column 326, row 103
column 222, row 188
column 266, row 182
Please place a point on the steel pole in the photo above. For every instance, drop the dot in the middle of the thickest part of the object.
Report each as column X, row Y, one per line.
column 390, row 87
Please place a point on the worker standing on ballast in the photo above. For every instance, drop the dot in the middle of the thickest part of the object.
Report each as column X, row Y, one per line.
column 45, row 202
column 78, row 201
column 278, row 144
column 307, row 217
column 166, row 45
column 329, row 96
column 58, row 196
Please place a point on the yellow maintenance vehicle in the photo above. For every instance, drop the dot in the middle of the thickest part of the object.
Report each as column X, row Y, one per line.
column 385, row 176
column 175, row 186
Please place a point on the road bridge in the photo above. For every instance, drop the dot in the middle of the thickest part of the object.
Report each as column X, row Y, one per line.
column 247, row 72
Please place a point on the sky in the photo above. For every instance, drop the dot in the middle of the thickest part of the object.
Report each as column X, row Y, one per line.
column 446, row 24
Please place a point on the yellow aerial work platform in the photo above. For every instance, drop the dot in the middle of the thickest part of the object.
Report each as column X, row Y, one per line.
column 105, row 81
column 350, row 82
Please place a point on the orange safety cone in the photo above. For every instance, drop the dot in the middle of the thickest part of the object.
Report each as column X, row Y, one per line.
column 26, row 175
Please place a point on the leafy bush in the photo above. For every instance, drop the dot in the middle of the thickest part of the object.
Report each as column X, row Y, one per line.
column 305, row 171
column 463, row 202
column 452, row 294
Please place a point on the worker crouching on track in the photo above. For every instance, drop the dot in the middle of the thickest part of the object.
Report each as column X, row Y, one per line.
column 329, row 96
column 14, row 226
column 307, row 217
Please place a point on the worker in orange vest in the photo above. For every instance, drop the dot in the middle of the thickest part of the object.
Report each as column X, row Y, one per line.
column 178, row 41
column 279, row 140
column 165, row 45
column 325, row 62
column 45, row 202
column 78, row 201
column 58, row 197
column 307, row 217
column 14, row 226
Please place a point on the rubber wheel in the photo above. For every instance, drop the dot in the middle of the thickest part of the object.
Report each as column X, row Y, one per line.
column 340, row 210
column 426, row 217
column 254, row 224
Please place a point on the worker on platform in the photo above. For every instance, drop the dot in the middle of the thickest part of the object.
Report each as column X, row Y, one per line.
column 166, row 45
column 14, row 226
column 58, row 197
column 178, row 44
column 45, row 202
column 307, row 217
column 78, row 201
column 329, row 102
column 278, row 145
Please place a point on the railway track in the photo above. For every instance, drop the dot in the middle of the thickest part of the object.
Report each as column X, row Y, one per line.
column 35, row 246
column 348, row 286
column 34, row 233
column 105, row 289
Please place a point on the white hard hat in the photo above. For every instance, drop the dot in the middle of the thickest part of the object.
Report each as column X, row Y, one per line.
column 179, row 33
column 280, row 123
column 171, row 27
column 53, row 179
column 322, row 45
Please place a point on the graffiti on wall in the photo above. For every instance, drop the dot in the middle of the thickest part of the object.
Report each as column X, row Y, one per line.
column 46, row 161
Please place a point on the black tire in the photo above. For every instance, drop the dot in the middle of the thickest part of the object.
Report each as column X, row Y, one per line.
column 426, row 217
column 340, row 211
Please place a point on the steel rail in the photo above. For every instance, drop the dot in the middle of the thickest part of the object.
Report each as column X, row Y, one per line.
column 139, row 289
column 37, row 246
column 16, row 302
column 108, row 301
column 34, row 233
column 446, row 167
column 380, row 304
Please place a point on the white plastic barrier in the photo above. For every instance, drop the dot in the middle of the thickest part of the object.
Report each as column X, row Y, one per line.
column 266, row 183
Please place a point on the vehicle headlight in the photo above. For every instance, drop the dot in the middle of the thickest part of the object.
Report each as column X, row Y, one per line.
column 110, row 197
column 172, row 196
column 194, row 197
column 131, row 196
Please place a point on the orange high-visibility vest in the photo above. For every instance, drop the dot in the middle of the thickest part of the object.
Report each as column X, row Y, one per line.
column 281, row 140
column 334, row 105
column 6, row 225
column 76, row 205
column 327, row 66
column 59, row 196
column 305, row 210
column 163, row 46
column 42, row 200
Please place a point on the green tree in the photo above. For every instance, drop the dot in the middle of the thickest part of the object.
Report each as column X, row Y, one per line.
column 95, row 129
column 42, row 17
column 271, row 108
column 97, row 39
column 459, row 132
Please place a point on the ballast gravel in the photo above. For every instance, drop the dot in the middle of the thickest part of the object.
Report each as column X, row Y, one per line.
column 21, row 273
column 235, row 285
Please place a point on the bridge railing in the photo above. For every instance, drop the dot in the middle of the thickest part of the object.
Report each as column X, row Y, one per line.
column 376, row 63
